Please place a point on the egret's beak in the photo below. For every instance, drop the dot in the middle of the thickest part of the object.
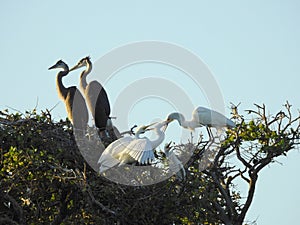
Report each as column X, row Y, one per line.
column 146, row 127
column 165, row 127
column 167, row 123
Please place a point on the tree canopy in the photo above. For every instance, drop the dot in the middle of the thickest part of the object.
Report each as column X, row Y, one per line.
column 45, row 179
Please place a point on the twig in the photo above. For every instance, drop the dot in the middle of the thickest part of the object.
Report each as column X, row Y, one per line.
column 99, row 204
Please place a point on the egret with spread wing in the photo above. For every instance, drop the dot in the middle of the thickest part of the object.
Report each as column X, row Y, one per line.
column 111, row 155
column 128, row 150
column 142, row 150
column 73, row 99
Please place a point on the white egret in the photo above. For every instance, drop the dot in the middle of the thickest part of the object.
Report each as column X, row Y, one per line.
column 73, row 99
column 175, row 165
column 202, row 116
column 111, row 155
column 135, row 149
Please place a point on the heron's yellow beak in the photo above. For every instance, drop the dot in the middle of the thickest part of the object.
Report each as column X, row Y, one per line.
column 74, row 67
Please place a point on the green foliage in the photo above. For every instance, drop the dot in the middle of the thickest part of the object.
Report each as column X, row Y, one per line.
column 44, row 178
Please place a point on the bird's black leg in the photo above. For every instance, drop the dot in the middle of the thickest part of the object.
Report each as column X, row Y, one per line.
column 211, row 136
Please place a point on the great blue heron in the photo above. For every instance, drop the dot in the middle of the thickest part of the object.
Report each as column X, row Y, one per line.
column 95, row 95
column 73, row 99
column 202, row 116
column 135, row 149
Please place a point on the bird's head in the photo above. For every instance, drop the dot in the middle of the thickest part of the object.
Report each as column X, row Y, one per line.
column 60, row 64
column 174, row 116
column 84, row 62
column 158, row 126
column 143, row 129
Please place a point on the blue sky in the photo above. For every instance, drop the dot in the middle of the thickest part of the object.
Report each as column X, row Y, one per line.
column 251, row 47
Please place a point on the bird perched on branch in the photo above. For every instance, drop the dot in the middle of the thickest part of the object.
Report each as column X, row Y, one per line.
column 175, row 166
column 95, row 95
column 129, row 150
column 202, row 116
column 73, row 99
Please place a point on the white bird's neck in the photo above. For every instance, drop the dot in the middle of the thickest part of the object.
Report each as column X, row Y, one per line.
column 137, row 135
column 83, row 76
column 161, row 136
column 190, row 124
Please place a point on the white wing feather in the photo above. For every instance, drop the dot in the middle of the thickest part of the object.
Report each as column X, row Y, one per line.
column 210, row 117
column 141, row 150
column 107, row 159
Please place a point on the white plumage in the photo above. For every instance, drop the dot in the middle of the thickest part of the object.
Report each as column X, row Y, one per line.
column 175, row 165
column 109, row 157
column 202, row 116
column 132, row 149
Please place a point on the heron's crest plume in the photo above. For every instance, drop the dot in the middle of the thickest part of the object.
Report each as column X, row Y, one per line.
column 85, row 60
column 88, row 58
column 82, row 63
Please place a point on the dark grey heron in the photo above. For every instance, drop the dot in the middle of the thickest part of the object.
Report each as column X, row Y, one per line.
column 95, row 95
column 73, row 99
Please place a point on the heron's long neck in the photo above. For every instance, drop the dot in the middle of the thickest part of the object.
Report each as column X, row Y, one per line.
column 61, row 89
column 83, row 76
column 159, row 140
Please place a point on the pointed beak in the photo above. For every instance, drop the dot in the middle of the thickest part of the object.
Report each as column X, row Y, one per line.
column 165, row 127
column 167, row 148
column 168, row 145
column 52, row 67
column 73, row 68
column 146, row 127
column 167, row 123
